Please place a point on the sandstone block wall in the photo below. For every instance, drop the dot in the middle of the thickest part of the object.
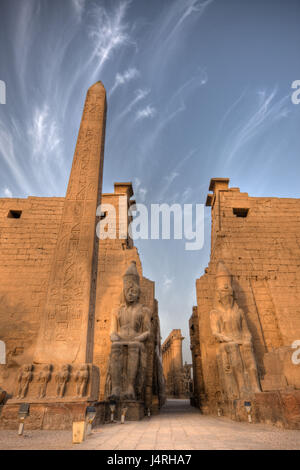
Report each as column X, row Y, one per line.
column 27, row 245
column 58, row 283
column 115, row 256
column 258, row 238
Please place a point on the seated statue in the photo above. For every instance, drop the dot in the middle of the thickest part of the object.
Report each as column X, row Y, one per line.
column 130, row 329
column 236, row 360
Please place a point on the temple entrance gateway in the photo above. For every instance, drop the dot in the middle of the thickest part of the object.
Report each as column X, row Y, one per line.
column 75, row 339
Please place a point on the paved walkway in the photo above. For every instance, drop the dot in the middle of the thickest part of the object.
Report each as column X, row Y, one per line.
column 178, row 426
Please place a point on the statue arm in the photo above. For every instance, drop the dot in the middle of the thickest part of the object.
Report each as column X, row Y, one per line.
column 215, row 328
column 146, row 325
column 114, row 328
column 247, row 337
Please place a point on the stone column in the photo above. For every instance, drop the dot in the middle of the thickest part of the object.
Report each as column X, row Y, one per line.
column 66, row 330
column 177, row 352
column 177, row 361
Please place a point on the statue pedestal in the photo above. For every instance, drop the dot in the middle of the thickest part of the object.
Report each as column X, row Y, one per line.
column 280, row 408
column 44, row 415
column 52, row 412
column 135, row 411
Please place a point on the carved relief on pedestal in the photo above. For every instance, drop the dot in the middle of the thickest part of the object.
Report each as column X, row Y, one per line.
column 43, row 378
column 61, row 378
column 235, row 356
column 24, row 378
column 57, row 382
column 81, row 378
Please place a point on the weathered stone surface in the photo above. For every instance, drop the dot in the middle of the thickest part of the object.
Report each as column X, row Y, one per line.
column 135, row 411
column 47, row 415
column 115, row 256
column 130, row 331
column 258, row 241
column 66, row 326
column 237, row 367
column 60, row 284
column 62, row 384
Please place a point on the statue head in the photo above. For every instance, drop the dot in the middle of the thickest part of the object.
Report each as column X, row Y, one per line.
column 224, row 289
column 131, row 284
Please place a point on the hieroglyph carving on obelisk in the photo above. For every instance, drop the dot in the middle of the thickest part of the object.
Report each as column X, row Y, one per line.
column 66, row 329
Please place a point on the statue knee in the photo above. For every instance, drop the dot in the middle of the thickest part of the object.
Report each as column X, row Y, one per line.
column 134, row 347
column 116, row 347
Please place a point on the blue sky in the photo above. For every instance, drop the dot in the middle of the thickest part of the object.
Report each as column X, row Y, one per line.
column 196, row 89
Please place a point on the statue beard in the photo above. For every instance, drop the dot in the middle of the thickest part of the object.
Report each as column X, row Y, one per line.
column 226, row 300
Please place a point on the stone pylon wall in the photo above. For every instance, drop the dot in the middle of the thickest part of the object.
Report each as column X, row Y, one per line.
column 58, row 282
column 27, row 246
column 115, row 256
column 258, row 240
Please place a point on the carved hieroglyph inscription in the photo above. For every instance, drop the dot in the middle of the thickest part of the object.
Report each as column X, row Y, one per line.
column 69, row 308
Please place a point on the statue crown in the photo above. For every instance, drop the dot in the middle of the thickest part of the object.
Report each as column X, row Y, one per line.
column 132, row 273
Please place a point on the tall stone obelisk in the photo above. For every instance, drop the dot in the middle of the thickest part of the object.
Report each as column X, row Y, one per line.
column 66, row 329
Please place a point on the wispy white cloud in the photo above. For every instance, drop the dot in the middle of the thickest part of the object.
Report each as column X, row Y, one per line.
column 129, row 75
column 139, row 191
column 170, row 178
column 7, row 192
column 187, row 9
column 8, row 155
column 175, row 21
column 167, row 282
column 175, row 107
column 140, row 94
column 167, row 183
column 186, row 194
column 145, row 113
column 267, row 112
column 44, row 134
column 79, row 6
column 27, row 13
column 199, row 79
column 108, row 32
